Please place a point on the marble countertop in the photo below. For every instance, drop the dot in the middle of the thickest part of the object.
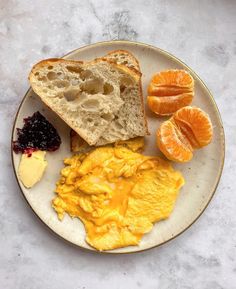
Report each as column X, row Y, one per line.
column 202, row 35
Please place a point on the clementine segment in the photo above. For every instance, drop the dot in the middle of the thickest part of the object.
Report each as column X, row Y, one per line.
column 177, row 85
column 173, row 77
column 172, row 143
column 166, row 105
column 195, row 123
column 167, row 90
column 188, row 129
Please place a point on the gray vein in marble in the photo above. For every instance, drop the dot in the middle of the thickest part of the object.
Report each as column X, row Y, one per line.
column 119, row 27
column 217, row 54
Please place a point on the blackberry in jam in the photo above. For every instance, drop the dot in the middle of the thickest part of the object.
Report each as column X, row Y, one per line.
column 36, row 134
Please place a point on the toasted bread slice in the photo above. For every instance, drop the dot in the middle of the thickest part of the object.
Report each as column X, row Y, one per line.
column 121, row 57
column 126, row 58
column 89, row 96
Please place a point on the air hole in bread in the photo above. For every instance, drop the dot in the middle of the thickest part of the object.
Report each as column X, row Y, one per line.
column 92, row 86
column 74, row 69
column 107, row 116
column 107, row 88
column 51, row 75
column 122, row 88
column 71, row 95
column 85, row 74
column 61, row 83
column 50, row 67
column 37, row 73
column 117, row 125
column 91, row 104
column 96, row 124
column 126, row 81
column 42, row 78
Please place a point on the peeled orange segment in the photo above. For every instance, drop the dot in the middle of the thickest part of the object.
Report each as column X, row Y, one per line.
column 195, row 124
column 188, row 133
column 189, row 128
column 173, row 90
column 166, row 105
column 172, row 143
column 167, row 90
column 174, row 77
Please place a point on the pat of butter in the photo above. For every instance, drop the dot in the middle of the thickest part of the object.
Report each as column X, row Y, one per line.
column 31, row 168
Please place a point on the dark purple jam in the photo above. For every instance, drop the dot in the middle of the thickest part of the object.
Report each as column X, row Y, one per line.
column 36, row 134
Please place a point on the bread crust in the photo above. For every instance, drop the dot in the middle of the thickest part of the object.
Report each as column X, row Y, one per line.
column 121, row 51
column 46, row 62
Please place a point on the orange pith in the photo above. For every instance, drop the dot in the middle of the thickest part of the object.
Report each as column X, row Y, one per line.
column 188, row 129
column 170, row 83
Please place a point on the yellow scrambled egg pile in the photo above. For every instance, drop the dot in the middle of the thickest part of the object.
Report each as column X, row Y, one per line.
column 117, row 193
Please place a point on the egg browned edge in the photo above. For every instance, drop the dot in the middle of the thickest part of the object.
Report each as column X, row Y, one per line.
column 168, row 55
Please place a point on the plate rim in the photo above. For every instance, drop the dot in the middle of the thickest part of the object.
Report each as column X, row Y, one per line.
column 201, row 82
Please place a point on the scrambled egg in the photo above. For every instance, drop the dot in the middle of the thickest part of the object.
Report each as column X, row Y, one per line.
column 117, row 193
column 135, row 144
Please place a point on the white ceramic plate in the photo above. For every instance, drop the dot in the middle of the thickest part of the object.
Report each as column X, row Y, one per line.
column 202, row 174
